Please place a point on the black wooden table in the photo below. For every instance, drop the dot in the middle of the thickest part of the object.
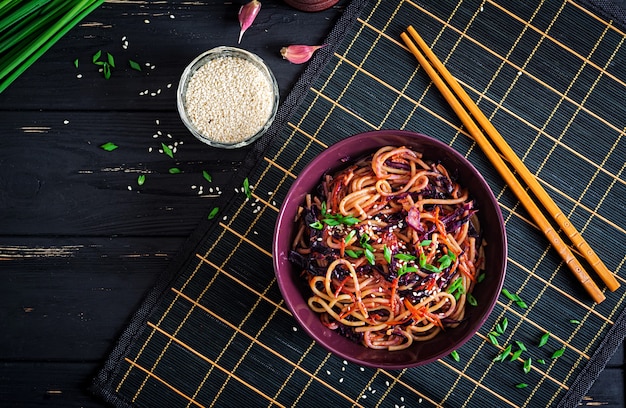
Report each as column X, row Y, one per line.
column 80, row 240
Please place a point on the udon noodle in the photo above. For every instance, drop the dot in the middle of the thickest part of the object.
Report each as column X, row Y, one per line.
column 390, row 248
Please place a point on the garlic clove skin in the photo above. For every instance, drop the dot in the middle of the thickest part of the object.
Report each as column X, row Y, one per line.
column 247, row 14
column 299, row 54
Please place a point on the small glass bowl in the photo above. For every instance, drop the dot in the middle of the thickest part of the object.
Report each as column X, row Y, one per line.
column 201, row 60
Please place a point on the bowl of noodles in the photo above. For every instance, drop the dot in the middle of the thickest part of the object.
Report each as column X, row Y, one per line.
column 390, row 249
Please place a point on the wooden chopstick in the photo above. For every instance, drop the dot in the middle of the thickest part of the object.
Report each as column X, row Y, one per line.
column 507, row 174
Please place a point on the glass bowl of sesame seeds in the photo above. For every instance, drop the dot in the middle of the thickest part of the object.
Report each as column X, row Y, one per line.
column 227, row 97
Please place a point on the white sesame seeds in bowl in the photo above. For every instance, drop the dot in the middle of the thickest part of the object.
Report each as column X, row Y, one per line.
column 227, row 97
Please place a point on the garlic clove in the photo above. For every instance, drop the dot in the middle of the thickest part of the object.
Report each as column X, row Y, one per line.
column 299, row 54
column 247, row 14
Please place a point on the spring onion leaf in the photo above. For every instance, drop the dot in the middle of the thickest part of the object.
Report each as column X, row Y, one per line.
column 387, row 254
column 471, row 300
column 96, row 56
column 493, row 339
column 353, row 254
column 503, row 354
column 141, row 179
column 574, row 321
column 521, row 385
column 501, row 327
column 213, row 213
column 134, row 65
column 174, row 170
column 404, row 257
column 246, row 187
column 521, row 345
column 110, row 60
column 109, row 146
column 516, row 355
column 167, row 150
column 541, row 361
column 76, row 62
column 455, row 356
column 317, row 225
column 207, row 176
column 426, row 242
column 528, row 364
column 558, row 353
column 370, row 256
column 350, row 236
column 481, row 277
column 544, row 339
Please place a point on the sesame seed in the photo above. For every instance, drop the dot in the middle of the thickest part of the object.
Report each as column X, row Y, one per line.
column 65, row 122
column 79, row 76
column 146, row 21
column 172, row 16
column 130, row 188
column 157, row 122
column 341, row 380
column 328, row 372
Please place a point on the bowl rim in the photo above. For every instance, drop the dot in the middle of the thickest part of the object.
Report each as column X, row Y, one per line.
column 218, row 52
column 293, row 198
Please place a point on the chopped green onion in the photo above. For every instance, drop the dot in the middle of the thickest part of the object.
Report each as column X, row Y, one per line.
column 481, row 277
column 405, row 257
column 109, row 146
column 541, row 361
column 521, row 345
column 246, row 188
column 516, row 355
column 521, row 304
column 503, row 354
column 167, row 150
column 134, row 65
column 471, row 300
column 370, row 256
column 574, row 321
column 350, row 236
column 558, row 353
column 521, row 385
column 426, row 242
column 492, row 339
column 544, row 339
column 76, row 62
column 174, row 170
column 527, row 365
column 455, row 356
column 501, row 327
column 110, row 60
column 213, row 213
column 317, row 225
column 324, row 208
column 141, row 179
column 207, row 176
column 353, row 254
column 96, row 56
column 387, row 253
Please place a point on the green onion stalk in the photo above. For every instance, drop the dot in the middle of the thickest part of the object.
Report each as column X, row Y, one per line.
column 29, row 28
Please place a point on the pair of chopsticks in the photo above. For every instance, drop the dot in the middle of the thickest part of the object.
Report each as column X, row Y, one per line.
column 463, row 106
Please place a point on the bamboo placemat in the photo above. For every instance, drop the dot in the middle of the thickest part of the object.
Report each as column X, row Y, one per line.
column 550, row 75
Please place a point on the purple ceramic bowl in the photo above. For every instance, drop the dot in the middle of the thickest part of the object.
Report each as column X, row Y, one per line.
column 294, row 291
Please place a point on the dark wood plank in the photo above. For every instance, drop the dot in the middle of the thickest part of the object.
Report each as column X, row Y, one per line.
column 69, row 299
column 54, row 175
column 47, row 384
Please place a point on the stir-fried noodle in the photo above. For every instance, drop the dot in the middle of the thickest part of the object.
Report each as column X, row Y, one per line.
column 390, row 248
